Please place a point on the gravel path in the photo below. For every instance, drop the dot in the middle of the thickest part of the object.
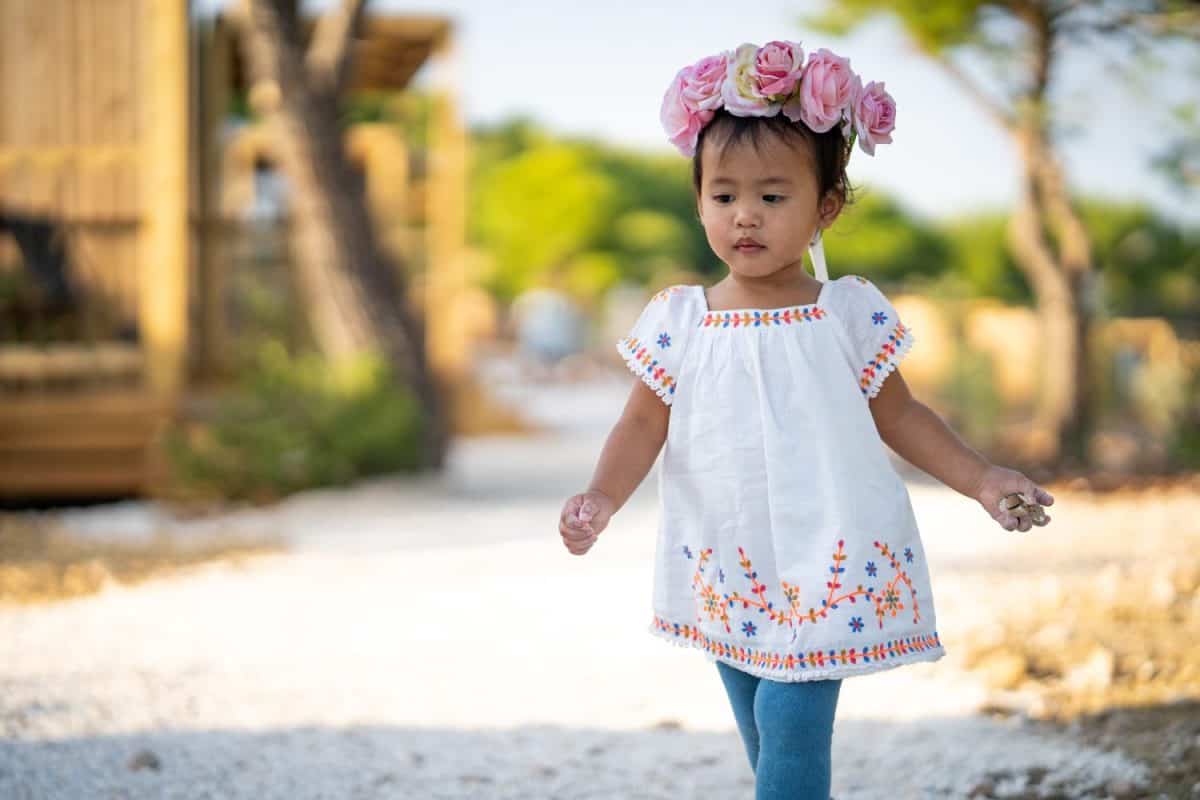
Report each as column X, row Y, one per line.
column 323, row 673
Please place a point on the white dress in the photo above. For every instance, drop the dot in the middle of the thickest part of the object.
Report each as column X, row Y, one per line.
column 787, row 545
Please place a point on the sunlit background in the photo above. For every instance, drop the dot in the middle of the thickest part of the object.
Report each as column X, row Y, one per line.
column 306, row 333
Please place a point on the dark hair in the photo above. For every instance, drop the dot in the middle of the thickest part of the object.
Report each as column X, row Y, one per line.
column 828, row 149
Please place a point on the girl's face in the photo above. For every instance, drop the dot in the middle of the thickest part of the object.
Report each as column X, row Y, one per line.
column 759, row 207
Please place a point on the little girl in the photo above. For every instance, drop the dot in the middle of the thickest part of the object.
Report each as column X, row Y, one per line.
column 787, row 549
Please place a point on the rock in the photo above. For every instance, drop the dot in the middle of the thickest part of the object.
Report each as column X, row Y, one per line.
column 1094, row 673
column 1034, row 775
column 982, row 789
column 144, row 759
column 1002, row 669
column 1121, row 790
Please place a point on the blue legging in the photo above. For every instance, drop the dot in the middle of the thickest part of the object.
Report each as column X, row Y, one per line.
column 787, row 729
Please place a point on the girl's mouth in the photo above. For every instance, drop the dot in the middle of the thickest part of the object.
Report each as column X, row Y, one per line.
column 748, row 248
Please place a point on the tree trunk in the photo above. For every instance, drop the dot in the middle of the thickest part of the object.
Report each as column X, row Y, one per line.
column 1058, row 267
column 1063, row 284
column 354, row 296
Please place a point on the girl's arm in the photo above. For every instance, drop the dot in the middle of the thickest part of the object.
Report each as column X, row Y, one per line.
column 627, row 456
column 632, row 446
column 921, row 437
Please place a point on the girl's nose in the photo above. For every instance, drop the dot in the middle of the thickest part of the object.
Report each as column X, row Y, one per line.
column 744, row 218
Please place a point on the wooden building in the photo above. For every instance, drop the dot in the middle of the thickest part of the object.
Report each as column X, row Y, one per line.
column 124, row 197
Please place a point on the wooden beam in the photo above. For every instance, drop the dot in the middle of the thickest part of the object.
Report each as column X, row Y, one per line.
column 447, row 332
column 163, row 245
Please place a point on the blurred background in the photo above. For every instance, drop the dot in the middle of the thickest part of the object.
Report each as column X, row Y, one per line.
column 257, row 253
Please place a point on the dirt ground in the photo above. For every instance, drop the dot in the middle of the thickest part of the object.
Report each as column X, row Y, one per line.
column 1083, row 636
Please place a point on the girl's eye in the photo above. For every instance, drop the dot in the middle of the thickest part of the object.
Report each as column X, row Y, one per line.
column 772, row 198
column 720, row 198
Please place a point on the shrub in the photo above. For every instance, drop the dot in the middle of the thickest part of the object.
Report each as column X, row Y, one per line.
column 296, row 422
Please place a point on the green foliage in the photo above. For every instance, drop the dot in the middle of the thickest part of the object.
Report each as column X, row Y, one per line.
column 582, row 216
column 577, row 214
column 591, row 274
column 875, row 237
column 1183, row 445
column 537, row 210
column 291, row 423
column 979, row 254
column 933, row 24
column 1148, row 265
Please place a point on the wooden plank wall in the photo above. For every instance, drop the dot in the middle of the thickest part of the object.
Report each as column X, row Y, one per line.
column 70, row 124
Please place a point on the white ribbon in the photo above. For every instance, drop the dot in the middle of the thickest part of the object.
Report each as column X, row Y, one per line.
column 816, row 251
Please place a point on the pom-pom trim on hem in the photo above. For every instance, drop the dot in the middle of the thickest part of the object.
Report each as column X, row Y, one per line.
column 929, row 653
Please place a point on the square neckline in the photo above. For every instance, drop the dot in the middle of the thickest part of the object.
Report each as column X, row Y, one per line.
column 710, row 310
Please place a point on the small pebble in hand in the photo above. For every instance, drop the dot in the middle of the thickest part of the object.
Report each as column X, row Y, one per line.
column 1017, row 504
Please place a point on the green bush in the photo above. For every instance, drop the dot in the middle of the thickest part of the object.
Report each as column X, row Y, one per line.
column 1184, row 441
column 292, row 423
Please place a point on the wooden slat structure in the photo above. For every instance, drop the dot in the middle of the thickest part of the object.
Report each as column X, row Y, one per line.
column 112, row 145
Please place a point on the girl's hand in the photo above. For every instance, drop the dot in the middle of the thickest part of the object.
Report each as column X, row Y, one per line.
column 583, row 517
column 996, row 483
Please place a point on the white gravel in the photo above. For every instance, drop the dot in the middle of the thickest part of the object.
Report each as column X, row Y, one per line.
column 433, row 639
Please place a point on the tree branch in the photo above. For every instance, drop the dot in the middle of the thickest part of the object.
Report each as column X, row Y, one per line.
column 330, row 53
column 994, row 109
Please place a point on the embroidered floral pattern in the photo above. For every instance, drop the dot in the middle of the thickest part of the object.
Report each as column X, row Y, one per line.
column 878, row 318
column 664, row 340
column 887, row 600
column 884, row 362
column 663, row 294
column 758, row 318
column 639, row 358
column 773, row 660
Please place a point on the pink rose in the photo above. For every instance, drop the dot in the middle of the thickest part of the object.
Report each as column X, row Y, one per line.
column 740, row 91
column 702, row 91
column 874, row 113
column 825, row 92
column 778, row 67
column 681, row 121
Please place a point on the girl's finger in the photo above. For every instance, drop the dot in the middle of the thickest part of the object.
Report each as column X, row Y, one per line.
column 570, row 513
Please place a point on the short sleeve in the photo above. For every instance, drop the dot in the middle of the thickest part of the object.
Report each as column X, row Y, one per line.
column 879, row 337
column 653, row 349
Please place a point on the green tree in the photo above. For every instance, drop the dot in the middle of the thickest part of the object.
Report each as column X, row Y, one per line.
column 536, row 212
column 1024, row 40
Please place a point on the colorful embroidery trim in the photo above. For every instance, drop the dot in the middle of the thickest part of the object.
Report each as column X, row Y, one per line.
column 638, row 356
column 663, row 294
column 893, row 349
column 886, row 600
column 774, row 316
column 775, row 660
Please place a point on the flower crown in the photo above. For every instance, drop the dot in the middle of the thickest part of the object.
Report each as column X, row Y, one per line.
column 757, row 81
